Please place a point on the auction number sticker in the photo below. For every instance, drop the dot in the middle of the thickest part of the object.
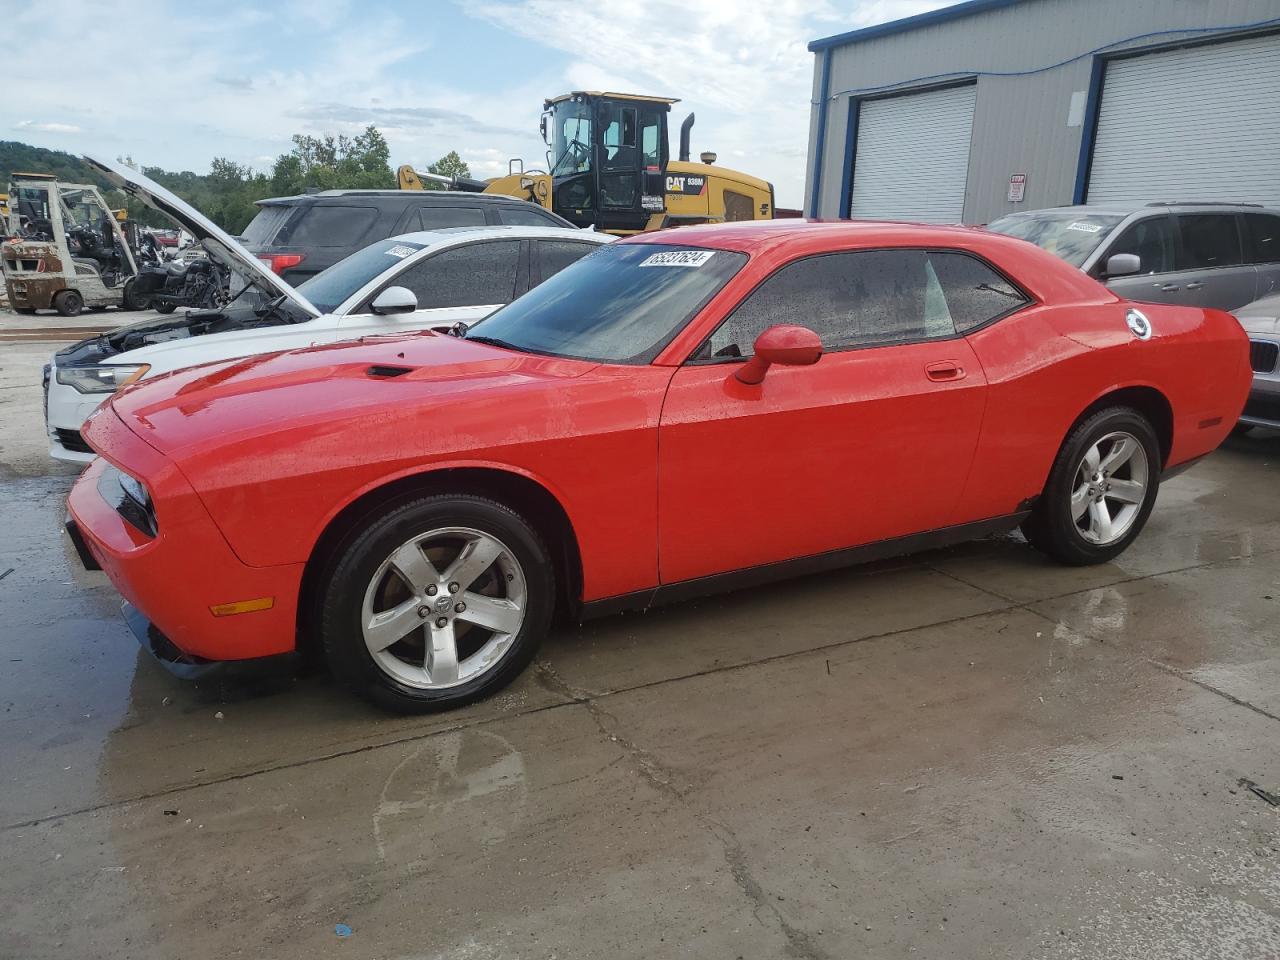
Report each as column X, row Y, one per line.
column 1085, row 227
column 400, row 251
column 678, row 258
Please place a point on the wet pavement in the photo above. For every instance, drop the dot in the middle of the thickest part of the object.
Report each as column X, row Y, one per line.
column 970, row 753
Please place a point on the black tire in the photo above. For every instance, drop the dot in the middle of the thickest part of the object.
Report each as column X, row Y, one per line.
column 166, row 307
column 131, row 300
column 1051, row 528
column 1242, row 429
column 356, row 561
column 68, row 303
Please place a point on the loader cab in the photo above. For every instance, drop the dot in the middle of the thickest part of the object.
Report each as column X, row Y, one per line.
column 607, row 154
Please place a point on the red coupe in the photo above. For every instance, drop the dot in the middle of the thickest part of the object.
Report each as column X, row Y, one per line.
column 677, row 413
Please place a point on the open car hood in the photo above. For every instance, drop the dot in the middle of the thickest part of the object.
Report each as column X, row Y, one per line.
column 198, row 225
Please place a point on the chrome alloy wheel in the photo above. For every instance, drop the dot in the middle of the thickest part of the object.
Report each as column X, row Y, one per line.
column 444, row 608
column 1110, row 486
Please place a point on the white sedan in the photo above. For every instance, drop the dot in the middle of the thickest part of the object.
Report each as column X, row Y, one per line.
column 417, row 281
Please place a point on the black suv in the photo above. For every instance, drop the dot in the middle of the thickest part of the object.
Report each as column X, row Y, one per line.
column 300, row 236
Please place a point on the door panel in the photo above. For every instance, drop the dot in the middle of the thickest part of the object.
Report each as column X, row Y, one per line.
column 861, row 447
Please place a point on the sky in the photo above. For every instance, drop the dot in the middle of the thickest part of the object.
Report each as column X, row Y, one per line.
column 175, row 84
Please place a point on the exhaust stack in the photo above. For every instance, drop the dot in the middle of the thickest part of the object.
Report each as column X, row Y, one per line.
column 684, row 138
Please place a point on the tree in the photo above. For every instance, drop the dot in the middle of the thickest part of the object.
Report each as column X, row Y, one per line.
column 450, row 165
column 334, row 163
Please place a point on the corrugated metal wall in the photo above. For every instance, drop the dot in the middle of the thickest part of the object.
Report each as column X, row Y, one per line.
column 1020, row 124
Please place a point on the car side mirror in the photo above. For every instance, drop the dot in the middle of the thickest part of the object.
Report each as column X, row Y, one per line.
column 786, row 344
column 1123, row 265
column 394, row 300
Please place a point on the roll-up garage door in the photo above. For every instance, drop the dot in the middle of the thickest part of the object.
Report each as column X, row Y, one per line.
column 1201, row 123
column 912, row 156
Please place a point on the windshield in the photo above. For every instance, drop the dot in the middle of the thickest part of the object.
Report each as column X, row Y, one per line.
column 330, row 287
column 1071, row 236
column 621, row 304
column 570, row 138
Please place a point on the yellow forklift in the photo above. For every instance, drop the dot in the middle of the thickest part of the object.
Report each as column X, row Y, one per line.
column 609, row 167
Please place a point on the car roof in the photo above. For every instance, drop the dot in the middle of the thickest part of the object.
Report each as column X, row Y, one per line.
column 449, row 235
column 408, row 196
column 1124, row 208
column 754, row 236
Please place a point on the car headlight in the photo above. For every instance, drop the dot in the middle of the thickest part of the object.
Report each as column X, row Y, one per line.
column 135, row 489
column 102, row 378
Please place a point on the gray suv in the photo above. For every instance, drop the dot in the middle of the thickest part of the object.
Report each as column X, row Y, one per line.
column 1199, row 254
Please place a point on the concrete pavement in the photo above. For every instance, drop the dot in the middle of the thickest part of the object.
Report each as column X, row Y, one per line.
column 968, row 754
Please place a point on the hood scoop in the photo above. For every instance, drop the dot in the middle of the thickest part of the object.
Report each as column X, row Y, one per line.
column 387, row 372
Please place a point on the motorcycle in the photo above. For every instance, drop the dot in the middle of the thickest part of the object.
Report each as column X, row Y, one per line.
column 197, row 284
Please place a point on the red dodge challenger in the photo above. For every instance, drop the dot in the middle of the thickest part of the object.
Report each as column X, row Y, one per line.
column 675, row 414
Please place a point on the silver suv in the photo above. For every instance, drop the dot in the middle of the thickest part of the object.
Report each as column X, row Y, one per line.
column 1221, row 255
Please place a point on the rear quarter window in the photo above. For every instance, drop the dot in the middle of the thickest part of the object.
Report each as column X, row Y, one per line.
column 331, row 226
column 262, row 229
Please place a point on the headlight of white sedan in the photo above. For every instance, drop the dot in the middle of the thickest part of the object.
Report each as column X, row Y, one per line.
column 102, row 378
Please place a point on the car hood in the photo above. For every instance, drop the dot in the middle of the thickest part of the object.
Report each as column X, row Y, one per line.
column 312, row 391
column 199, row 226
column 1261, row 316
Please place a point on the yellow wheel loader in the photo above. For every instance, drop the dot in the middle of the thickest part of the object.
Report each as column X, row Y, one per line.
column 609, row 167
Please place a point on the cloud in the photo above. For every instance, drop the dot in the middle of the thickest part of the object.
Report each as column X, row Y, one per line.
column 50, row 127
column 748, row 75
column 402, row 118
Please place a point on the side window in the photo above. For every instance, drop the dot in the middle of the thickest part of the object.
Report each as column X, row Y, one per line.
column 650, row 139
column 971, row 291
column 848, row 299
column 1208, row 240
column 1151, row 240
column 524, row 216
column 1263, row 232
column 555, row 255
column 738, row 206
column 437, row 218
column 470, row 276
column 331, row 226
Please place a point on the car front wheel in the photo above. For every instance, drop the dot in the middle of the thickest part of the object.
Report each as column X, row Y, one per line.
column 1100, row 491
column 436, row 603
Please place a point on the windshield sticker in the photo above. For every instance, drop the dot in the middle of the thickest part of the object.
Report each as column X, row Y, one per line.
column 400, row 251
column 1085, row 227
column 678, row 258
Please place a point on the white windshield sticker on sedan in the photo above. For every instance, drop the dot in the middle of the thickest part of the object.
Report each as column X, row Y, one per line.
column 678, row 258
column 1085, row 227
column 401, row 251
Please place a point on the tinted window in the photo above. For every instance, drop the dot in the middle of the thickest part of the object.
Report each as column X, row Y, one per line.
column 1263, row 231
column 848, row 299
column 437, row 218
column 330, row 287
column 332, row 226
column 555, row 255
column 523, row 216
column 974, row 293
column 1208, row 240
column 622, row 304
column 1151, row 241
column 470, row 276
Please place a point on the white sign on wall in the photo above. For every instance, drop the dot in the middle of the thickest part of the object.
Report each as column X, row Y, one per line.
column 1017, row 187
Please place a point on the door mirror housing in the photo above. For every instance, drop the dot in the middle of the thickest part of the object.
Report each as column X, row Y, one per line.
column 1123, row 265
column 787, row 344
column 394, row 300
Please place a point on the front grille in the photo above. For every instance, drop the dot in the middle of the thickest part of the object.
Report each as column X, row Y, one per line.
column 72, row 440
column 1263, row 355
column 1263, row 406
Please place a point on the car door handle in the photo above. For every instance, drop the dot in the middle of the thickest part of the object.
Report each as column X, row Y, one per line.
column 1166, row 287
column 944, row 370
column 1194, row 285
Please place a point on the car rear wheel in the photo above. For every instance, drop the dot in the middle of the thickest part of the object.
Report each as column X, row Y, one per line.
column 1100, row 491
column 436, row 603
column 69, row 303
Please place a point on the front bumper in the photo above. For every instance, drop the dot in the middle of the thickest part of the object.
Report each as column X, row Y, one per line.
column 175, row 577
column 1262, row 409
column 65, row 411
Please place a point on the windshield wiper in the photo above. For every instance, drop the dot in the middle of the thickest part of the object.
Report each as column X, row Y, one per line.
column 494, row 342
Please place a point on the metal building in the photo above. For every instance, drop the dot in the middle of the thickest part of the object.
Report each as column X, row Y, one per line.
column 990, row 106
